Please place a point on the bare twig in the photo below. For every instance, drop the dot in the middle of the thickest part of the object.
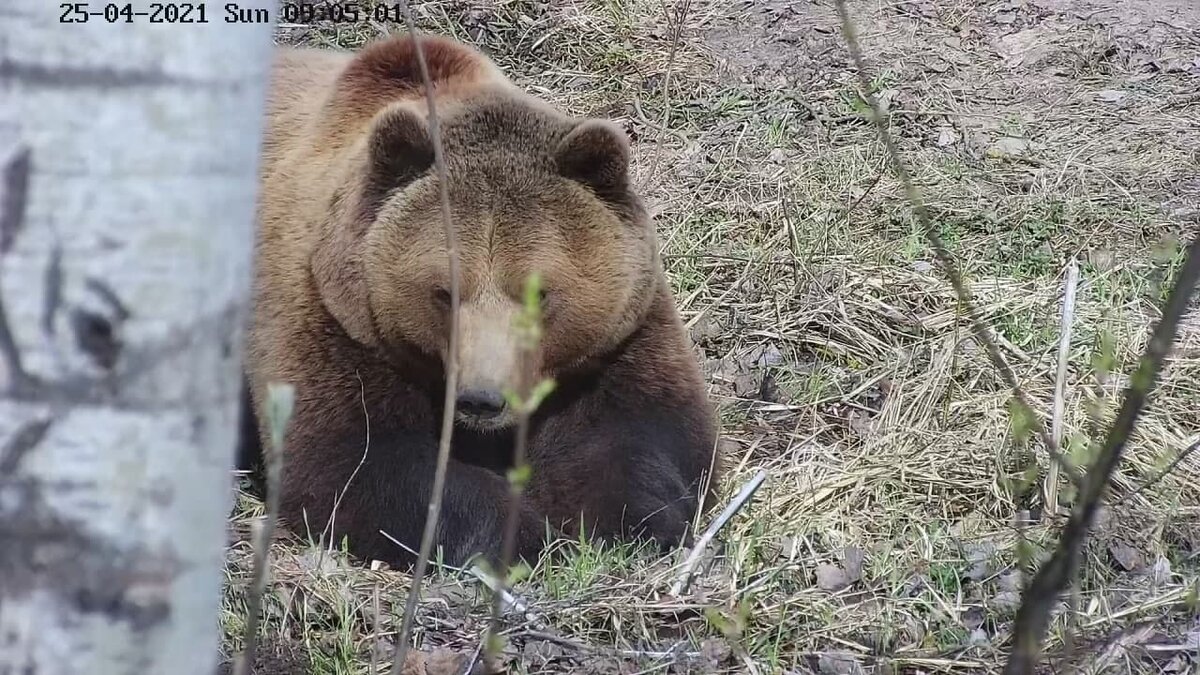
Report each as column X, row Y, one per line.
column 978, row 326
column 1033, row 617
column 739, row 500
column 1060, row 382
column 676, row 26
column 451, row 360
column 1161, row 474
column 280, row 400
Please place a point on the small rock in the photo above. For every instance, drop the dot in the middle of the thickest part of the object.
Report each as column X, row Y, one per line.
column 978, row 637
column 777, row 156
column 831, row 578
column 973, row 617
column 835, row 663
column 541, row 651
column 1009, row 581
column 1006, row 601
column 1126, row 556
column 946, row 136
column 1111, row 95
column 922, row 267
column 852, row 562
column 1103, row 261
column 704, row 329
column 861, row 423
column 1008, row 147
column 716, row 651
column 1161, row 572
column 938, row 65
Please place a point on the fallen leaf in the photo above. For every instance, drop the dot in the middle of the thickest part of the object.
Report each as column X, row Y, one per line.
column 1111, row 95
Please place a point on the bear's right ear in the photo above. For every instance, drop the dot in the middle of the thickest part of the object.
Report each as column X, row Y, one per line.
column 398, row 151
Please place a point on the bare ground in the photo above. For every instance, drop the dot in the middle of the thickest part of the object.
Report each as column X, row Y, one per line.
column 885, row 538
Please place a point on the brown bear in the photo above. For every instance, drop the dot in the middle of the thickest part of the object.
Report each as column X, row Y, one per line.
column 351, row 306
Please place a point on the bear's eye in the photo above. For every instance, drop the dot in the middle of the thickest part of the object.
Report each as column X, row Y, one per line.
column 441, row 297
column 544, row 297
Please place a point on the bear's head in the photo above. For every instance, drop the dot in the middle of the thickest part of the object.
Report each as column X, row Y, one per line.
column 530, row 191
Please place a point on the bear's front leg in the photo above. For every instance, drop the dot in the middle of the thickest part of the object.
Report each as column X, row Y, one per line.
column 390, row 492
column 624, row 464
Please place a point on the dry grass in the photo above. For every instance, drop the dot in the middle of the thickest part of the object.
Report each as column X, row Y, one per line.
column 884, row 537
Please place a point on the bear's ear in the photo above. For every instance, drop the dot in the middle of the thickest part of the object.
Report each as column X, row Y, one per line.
column 596, row 153
column 399, row 150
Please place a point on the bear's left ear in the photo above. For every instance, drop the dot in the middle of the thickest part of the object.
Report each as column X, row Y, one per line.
column 596, row 153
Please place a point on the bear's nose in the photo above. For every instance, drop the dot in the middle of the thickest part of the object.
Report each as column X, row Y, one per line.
column 481, row 403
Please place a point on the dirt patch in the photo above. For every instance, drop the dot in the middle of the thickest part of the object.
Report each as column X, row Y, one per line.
column 793, row 42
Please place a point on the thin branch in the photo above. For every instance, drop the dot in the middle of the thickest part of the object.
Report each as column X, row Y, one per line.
column 978, row 326
column 451, row 360
column 739, row 500
column 279, row 412
column 676, row 27
column 1060, row 382
column 1161, row 474
column 1033, row 617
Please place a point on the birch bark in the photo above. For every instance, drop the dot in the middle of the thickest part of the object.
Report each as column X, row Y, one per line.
column 128, row 157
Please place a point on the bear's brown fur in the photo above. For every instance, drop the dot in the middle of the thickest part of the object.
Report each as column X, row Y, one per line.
column 350, row 306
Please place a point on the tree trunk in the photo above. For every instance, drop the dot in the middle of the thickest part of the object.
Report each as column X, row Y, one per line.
column 128, row 157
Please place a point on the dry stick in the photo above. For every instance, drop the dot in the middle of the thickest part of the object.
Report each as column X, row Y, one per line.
column 676, row 34
column 735, row 505
column 279, row 410
column 451, row 365
column 1060, row 382
column 978, row 326
column 1033, row 618
column 1161, row 474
